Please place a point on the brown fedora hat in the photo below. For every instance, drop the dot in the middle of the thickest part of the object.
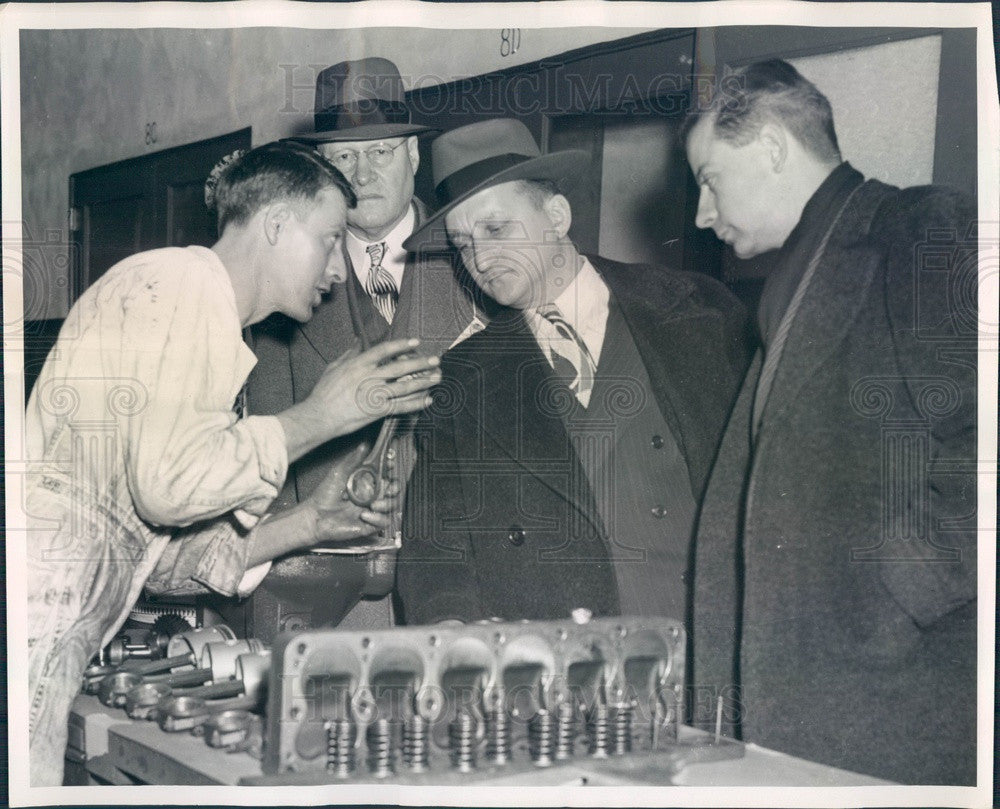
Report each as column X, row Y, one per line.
column 471, row 158
column 361, row 99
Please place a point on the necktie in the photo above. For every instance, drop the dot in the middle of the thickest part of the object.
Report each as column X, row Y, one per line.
column 380, row 284
column 570, row 356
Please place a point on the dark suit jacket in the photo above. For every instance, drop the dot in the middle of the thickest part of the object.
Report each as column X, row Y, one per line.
column 500, row 520
column 835, row 571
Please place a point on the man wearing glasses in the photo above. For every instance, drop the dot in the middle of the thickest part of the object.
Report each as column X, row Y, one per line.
column 363, row 127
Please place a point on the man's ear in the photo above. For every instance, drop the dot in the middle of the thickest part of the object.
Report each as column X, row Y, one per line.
column 774, row 140
column 413, row 149
column 560, row 214
column 276, row 218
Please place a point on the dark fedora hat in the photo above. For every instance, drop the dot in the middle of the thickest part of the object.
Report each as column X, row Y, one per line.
column 361, row 99
column 471, row 158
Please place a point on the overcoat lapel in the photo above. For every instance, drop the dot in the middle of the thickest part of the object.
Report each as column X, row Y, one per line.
column 526, row 423
column 674, row 338
column 434, row 304
column 845, row 275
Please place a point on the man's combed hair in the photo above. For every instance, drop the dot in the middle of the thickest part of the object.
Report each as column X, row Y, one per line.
column 771, row 91
column 271, row 173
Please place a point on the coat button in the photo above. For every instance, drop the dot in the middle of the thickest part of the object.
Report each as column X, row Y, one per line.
column 515, row 535
column 657, row 441
column 659, row 512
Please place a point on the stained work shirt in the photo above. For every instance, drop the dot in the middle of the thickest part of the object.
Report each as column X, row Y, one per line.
column 134, row 448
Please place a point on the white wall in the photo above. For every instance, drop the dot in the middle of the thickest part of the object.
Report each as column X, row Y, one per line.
column 885, row 101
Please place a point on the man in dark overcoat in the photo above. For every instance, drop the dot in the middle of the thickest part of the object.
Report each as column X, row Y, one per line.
column 562, row 462
column 835, row 570
column 363, row 126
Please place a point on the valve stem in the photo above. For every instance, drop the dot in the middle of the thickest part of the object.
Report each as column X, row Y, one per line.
column 542, row 738
column 415, row 747
column 341, row 735
column 381, row 753
column 622, row 728
column 462, row 741
column 565, row 730
column 598, row 730
column 497, row 730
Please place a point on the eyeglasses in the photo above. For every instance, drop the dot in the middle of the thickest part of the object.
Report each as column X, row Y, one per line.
column 380, row 155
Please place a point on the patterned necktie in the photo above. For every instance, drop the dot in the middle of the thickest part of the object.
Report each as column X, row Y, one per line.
column 570, row 355
column 380, row 284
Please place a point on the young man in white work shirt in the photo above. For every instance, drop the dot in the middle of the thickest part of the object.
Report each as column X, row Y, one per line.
column 133, row 442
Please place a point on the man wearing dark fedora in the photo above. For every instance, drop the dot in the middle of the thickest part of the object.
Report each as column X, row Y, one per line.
column 363, row 127
column 562, row 461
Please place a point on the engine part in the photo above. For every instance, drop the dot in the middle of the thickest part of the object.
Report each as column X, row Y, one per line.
column 497, row 723
column 462, row 741
column 341, row 736
column 542, row 738
column 185, row 711
column 416, row 741
column 565, row 730
column 469, row 691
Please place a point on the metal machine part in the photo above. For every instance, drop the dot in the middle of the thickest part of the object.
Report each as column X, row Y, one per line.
column 367, row 483
column 317, row 589
column 141, row 641
column 422, row 705
column 112, row 688
column 230, row 677
column 196, row 656
column 244, row 692
column 194, row 641
column 480, row 697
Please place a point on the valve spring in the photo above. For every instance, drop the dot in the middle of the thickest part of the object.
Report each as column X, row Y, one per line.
column 622, row 727
column 341, row 735
column 381, row 747
column 565, row 730
column 497, row 736
column 415, row 747
column 542, row 737
column 598, row 730
column 462, row 741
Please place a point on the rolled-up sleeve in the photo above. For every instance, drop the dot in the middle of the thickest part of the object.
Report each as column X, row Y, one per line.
column 209, row 556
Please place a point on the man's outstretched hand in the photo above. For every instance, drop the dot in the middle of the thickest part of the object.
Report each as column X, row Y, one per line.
column 358, row 388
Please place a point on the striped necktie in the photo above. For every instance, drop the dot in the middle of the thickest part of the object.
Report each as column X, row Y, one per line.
column 571, row 349
column 380, row 284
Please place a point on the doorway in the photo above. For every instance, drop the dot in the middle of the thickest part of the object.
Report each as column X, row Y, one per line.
column 142, row 203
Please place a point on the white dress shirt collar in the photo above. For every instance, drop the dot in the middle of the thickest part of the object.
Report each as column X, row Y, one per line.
column 584, row 304
column 394, row 259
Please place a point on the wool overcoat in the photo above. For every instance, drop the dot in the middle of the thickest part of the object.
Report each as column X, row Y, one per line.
column 835, row 561
column 500, row 519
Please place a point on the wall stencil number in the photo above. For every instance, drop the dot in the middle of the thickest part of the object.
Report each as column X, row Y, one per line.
column 510, row 41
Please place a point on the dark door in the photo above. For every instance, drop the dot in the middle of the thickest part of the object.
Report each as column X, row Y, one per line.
column 156, row 200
